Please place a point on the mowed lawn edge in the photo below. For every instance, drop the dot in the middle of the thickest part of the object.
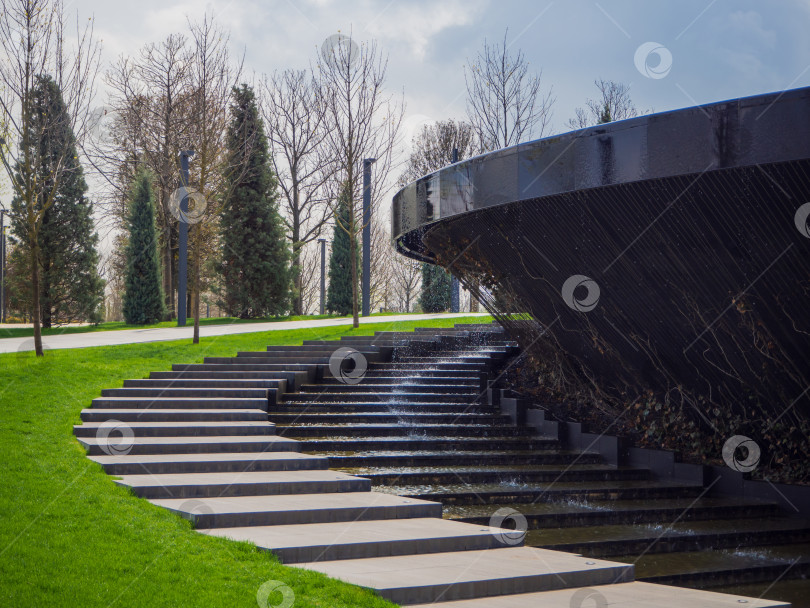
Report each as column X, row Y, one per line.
column 70, row 536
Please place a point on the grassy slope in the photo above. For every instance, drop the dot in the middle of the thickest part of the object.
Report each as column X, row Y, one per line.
column 22, row 332
column 69, row 536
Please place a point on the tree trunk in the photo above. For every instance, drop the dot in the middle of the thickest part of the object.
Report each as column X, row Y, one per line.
column 353, row 261
column 167, row 276
column 195, row 290
column 298, row 304
column 35, row 298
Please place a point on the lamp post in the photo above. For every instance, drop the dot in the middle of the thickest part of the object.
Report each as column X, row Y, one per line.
column 3, row 212
column 182, row 256
column 367, row 235
column 322, row 241
column 454, row 290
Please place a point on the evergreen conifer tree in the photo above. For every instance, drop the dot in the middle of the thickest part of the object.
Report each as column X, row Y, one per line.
column 339, row 293
column 70, row 287
column 255, row 255
column 143, row 292
column 436, row 289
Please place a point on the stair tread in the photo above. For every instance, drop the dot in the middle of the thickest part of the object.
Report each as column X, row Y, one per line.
column 360, row 531
column 291, row 502
column 216, row 457
column 182, row 440
column 620, row 595
column 232, row 478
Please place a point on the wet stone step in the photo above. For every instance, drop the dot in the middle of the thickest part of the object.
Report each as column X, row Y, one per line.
column 519, row 492
column 362, row 408
column 363, row 387
column 374, row 459
column 510, row 476
column 667, row 538
column 388, row 417
column 407, row 431
column 707, row 568
column 399, row 397
column 571, row 513
column 421, row 444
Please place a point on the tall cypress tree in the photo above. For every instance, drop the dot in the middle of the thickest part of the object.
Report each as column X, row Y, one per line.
column 255, row 256
column 70, row 287
column 339, row 294
column 436, row 289
column 143, row 294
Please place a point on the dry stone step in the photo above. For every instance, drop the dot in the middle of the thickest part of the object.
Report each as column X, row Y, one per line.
column 414, row 579
column 137, row 446
column 193, row 403
column 297, row 509
column 230, row 383
column 156, row 464
column 252, row 483
column 621, row 595
column 180, row 429
column 191, row 393
column 367, row 538
column 172, row 415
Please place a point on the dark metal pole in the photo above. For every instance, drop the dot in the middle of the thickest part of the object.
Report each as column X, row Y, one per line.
column 367, row 235
column 454, row 288
column 323, row 274
column 182, row 259
column 2, row 267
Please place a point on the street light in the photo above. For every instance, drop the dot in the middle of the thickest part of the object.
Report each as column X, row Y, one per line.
column 367, row 235
column 3, row 212
column 322, row 241
column 182, row 256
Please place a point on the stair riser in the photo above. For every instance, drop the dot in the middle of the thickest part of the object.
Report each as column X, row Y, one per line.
column 197, row 393
column 201, row 448
column 459, row 418
column 315, row 445
column 352, row 408
column 387, row 548
column 314, row 516
column 362, row 387
column 154, row 415
column 496, row 477
column 625, row 517
column 482, row 459
column 250, row 489
column 233, row 383
column 698, row 542
column 461, row 590
column 225, row 430
column 233, row 466
column 742, row 576
column 417, row 432
column 175, row 404
column 391, row 398
column 494, row 498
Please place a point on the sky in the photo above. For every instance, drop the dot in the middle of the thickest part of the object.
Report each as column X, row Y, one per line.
column 672, row 54
column 713, row 49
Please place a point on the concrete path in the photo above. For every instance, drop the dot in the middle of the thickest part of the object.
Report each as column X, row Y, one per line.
column 161, row 334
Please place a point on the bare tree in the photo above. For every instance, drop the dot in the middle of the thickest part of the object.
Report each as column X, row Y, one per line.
column 33, row 43
column 361, row 122
column 212, row 78
column 310, row 278
column 149, row 103
column 504, row 100
column 433, row 148
column 406, row 276
column 613, row 104
column 382, row 255
column 294, row 112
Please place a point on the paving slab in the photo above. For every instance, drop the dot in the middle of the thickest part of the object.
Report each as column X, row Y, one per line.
column 425, row 578
column 622, row 595
column 366, row 538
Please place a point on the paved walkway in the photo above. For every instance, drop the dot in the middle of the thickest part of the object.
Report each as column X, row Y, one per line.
column 161, row 334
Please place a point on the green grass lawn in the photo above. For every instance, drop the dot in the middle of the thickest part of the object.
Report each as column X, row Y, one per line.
column 22, row 332
column 70, row 537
